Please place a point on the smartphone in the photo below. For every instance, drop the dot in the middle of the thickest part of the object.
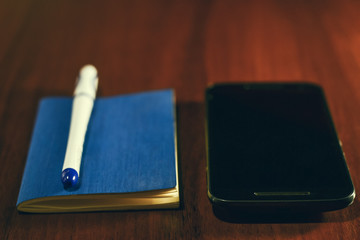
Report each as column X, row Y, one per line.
column 274, row 145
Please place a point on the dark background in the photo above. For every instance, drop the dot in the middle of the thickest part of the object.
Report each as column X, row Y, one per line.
column 186, row 45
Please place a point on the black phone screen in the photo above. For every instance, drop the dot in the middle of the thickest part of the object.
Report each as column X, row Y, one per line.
column 269, row 141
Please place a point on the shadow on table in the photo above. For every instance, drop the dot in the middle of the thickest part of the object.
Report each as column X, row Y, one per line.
column 266, row 216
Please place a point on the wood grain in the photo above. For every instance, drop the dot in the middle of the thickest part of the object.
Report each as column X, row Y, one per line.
column 186, row 45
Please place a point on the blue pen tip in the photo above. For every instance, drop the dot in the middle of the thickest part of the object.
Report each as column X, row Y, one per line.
column 70, row 178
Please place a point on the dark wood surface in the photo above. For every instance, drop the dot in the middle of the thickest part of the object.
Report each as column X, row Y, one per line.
column 185, row 45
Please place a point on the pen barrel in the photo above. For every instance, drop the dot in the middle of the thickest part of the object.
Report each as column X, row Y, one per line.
column 80, row 116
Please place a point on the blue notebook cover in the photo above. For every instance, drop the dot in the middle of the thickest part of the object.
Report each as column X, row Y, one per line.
column 130, row 147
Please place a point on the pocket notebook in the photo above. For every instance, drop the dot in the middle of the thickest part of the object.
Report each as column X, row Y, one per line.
column 129, row 158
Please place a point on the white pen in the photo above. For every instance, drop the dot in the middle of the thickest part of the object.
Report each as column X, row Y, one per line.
column 84, row 96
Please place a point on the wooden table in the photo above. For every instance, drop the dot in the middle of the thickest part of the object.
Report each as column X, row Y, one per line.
column 186, row 45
